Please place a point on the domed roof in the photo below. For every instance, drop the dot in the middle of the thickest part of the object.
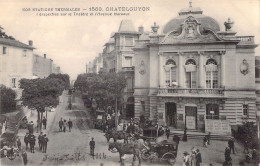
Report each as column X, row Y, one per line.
column 205, row 21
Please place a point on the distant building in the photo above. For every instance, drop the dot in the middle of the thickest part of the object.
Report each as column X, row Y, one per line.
column 42, row 66
column 16, row 62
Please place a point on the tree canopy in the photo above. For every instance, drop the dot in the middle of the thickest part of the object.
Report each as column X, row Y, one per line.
column 41, row 93
column 64, row 77
column 103, row 87
column 7, row 99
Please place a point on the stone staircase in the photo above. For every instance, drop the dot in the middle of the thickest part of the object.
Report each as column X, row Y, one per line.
column 199, row 135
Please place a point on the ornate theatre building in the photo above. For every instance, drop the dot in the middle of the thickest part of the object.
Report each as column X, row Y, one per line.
column 193, row 71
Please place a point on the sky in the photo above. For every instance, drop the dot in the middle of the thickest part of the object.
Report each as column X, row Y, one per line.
column 73, row 41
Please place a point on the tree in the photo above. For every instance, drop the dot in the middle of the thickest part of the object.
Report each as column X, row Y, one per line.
column 40, row 93
column 64, row 77
column 7, row 99
column 103, row 87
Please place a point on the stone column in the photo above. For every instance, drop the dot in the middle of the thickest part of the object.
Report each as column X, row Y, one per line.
column 201, row 71
column 180, row 71
column 222, row 69
column 161, row 70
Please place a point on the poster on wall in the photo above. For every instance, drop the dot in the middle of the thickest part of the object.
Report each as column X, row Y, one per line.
column 221, row 127
column 191, row 122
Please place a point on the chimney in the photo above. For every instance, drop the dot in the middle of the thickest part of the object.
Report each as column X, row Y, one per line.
column 141, row 29
column 44, row 55
column 30, row 43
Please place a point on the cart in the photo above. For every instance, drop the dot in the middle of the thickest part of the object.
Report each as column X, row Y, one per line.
column 160, row 152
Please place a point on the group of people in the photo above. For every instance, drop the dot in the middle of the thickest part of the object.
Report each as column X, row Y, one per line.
column 30, row 139
column 193, row 159
column 63, row 124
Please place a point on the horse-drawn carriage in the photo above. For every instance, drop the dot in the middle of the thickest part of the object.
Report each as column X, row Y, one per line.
column 151, row 133
column 99, row 121
column 163, row 152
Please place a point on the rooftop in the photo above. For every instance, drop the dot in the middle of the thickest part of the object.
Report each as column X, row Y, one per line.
column 14, row 43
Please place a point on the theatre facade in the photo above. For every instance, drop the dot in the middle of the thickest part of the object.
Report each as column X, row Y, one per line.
column 193, row 71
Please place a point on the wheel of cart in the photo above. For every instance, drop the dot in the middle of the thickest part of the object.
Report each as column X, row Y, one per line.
column 169, row 157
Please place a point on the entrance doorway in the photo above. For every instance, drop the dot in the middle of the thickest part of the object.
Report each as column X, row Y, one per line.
column 130, row 108
column 191, row 117
column 171, row 114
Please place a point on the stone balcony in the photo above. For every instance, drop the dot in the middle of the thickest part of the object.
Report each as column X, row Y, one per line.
column 190, row 92
column 246, row 39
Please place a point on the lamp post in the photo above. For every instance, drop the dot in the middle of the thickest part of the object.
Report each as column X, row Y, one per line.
column 184, row 138
column 116, row 118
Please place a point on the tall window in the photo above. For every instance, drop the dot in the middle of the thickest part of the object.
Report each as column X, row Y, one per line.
column 171, row 73
column 191, row 74
column 128, row 61
column 245, row 109
column 211, row 74
column 13, row 82
column 129, row 82
column 4, row 50
column 212, row 111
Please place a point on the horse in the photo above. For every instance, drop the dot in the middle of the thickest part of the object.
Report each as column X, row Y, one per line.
column 116, row 135
column 126, row 149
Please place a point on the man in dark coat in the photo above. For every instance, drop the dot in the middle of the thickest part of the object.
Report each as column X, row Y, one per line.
column 167, row 131
column 60, row 125
column 26, row 140
column 227, row 155
column 24, row 155
column 32, row 142
column 92, row 146
column 70, row 124
column 231, row 145
column 44, row 122
column 198, row 157
column 45, row 141
column 40, row 138
column 176, row 139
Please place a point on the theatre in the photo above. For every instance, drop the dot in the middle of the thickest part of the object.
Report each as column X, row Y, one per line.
column 192, row 72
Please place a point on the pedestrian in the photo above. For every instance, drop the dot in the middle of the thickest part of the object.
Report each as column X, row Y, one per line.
column 176, row 139
column 45, row 141
column 40, row 138
column 26, row 140
column 186, row 159
column 18, row 142
column 64, row 126
column 92, row 146
column 24, row 155
column 193, row 157
column 70, row 125
column 167, row 131
column 44, row 122
column 227, row 155
column 32, row 142
column 30, row 127
column 198, row 157
column 246, row 146
column 231, row 145
column 208, row 137
column 60, row 125
column 205, row 141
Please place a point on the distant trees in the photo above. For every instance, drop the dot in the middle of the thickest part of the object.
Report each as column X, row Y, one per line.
column 7, row 99
column 40, row 93
column 103, row 87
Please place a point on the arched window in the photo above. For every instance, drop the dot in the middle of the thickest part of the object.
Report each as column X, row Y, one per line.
column 211, row 73
column 171, row 73
column 191, row 73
